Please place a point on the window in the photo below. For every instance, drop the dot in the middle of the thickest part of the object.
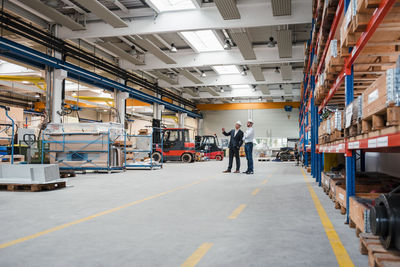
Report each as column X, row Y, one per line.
column 171, row 136
column 171, row 5
column 203, row 41
column 186, row 136
column 226, row 69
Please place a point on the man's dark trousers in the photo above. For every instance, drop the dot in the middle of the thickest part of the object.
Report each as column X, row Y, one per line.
column 234, row 152
column 248, row 148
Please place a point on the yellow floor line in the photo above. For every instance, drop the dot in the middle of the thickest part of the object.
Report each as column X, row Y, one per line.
column 56, row 228
column 197, row 255
column 255, row 192
column 237, row 211
column 341, row 254
column 264, row 182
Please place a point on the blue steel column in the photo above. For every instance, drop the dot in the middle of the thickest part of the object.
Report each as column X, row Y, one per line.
column 320, row 155
column 313, row 130
column 350, row 156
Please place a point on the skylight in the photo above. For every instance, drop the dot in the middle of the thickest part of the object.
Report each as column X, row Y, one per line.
column 240, row 86
column 226, row 69
column 203, row 41
column 172, row 5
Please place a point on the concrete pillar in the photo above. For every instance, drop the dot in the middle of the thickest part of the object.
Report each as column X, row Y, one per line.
column 56, row 96
column 181, row 119
column 200, row 123
column 250, row 114
column 119, row 99
column 157, row 111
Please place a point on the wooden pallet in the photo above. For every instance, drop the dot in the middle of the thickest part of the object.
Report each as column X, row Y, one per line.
column 354, row 129
column 389, row 116
column 378, row 256
column 32, row 187
column 336, row 135
column 340, row 207
column 67, row 174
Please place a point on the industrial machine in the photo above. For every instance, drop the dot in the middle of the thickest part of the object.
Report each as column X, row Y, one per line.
column 285, row 154
column 208, row 144
column 175, row 146
column 385, row 219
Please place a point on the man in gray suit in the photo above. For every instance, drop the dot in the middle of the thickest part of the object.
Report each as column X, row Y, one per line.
column 235, row 143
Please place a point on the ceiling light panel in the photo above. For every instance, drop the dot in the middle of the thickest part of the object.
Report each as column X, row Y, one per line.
column 240, row 86
column 203, row 41
column 171, row 5
column 226, row 69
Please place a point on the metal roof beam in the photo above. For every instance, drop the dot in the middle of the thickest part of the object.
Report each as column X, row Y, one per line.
column 237, row 79
column 190, row 59
column 120, row 53
column 102, row 12
column 53, row 14
column 253, row 14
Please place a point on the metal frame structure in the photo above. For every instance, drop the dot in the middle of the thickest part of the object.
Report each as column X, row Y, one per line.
column 7, row 126
column 151, row 165
column 47, row 141
column 38, row 59
column 384, row 143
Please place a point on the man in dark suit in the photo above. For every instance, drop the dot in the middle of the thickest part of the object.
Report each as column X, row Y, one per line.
column 235, row 143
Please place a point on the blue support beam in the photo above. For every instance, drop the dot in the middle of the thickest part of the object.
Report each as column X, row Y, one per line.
column 350, row 156
column 38, row 59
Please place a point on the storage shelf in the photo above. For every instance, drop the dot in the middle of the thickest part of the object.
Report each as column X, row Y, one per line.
column 351, row 67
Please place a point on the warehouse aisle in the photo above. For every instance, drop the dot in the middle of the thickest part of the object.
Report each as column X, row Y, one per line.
column 186, row 213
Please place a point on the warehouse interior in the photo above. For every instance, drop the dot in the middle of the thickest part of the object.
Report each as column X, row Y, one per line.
column 199, row 132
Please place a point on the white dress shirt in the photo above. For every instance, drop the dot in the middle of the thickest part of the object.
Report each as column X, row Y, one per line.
column 236, row 131
column 249, row 135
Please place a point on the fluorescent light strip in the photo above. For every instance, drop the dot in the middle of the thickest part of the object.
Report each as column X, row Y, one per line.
column 226, row 69
column 203, row 41
column 172, row 5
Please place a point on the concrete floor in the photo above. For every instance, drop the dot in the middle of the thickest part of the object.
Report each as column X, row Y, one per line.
column 279, row 226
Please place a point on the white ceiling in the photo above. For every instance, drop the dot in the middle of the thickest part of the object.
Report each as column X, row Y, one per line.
column 140, row 37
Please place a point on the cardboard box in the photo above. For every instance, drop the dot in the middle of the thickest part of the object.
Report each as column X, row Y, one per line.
column 359, row 210
column 374, row 98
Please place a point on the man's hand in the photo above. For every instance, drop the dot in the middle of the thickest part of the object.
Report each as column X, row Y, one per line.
column 223, row 129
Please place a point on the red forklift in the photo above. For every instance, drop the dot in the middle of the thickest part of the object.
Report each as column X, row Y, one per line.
column 208, row 144
column 175, row 146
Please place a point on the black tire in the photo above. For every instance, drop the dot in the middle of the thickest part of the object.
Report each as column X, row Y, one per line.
column 156, row 156
column 218, row 157
column 187, row 158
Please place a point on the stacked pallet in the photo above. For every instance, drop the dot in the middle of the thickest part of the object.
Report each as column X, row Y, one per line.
column 381, row 104
column 331, row 129
column 377, row 255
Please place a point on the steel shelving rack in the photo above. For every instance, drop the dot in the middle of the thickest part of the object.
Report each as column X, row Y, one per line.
column 383, row 142
column 127, row 150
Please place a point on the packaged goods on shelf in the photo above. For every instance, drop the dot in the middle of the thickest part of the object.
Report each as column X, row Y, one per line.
column 338, row 120
column 375, row 97
column 353, row 112
column 393, row 85
column 380, row 103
